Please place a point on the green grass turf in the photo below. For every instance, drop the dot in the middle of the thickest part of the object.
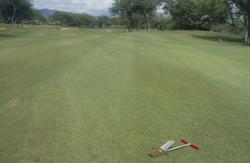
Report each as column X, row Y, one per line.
column 95, row 96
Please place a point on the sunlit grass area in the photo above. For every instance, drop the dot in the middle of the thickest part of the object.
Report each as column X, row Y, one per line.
column 78, row 95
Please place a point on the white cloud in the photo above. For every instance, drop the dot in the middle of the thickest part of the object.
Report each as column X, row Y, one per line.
column 93, row 7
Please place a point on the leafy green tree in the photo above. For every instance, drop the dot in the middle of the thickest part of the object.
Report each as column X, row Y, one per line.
column 148, row 9
column 197, row 14
column 103, row 21
column 231, row 12
column 212, row 12
column 71, row 19
column 132, row 10
column 117, row 21
column 125, row 9
column 244, row 9
column 182, row 12
column 14, row 10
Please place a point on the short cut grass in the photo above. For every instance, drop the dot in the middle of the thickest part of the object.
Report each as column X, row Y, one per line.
column 95, row 96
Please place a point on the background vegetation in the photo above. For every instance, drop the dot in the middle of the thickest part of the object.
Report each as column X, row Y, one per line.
column 216, row 15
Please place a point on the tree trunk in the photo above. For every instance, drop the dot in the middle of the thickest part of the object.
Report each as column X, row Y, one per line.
column 130, row 23
column 149, row 25
column 147, row 18
column 248, row 31
column 14, row 14
column 149, row 21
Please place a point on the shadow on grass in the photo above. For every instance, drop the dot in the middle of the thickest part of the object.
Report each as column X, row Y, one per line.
column 220, row 38
column 5, row 35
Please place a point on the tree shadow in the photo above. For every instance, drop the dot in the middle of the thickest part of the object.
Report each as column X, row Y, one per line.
column 220, row 38
column 5, row 35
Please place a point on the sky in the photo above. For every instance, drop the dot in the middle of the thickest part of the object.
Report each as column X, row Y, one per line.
column 92, row 7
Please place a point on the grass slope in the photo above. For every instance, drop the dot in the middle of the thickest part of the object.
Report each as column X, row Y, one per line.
column 93, row 96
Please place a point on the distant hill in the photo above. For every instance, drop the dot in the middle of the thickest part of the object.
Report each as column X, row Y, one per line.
column 47, row 12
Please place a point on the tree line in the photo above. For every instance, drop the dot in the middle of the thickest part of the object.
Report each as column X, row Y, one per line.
column 204, row 14
column 143, row 14
column 22, row 11
column 185, row 14
column 82, row 20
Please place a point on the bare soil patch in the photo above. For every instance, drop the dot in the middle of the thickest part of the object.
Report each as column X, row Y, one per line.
column 3, row 28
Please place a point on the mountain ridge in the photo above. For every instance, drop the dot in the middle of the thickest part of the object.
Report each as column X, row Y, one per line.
column 46, row 12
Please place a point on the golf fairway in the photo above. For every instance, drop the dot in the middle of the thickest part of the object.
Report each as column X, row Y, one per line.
column 80, row 95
